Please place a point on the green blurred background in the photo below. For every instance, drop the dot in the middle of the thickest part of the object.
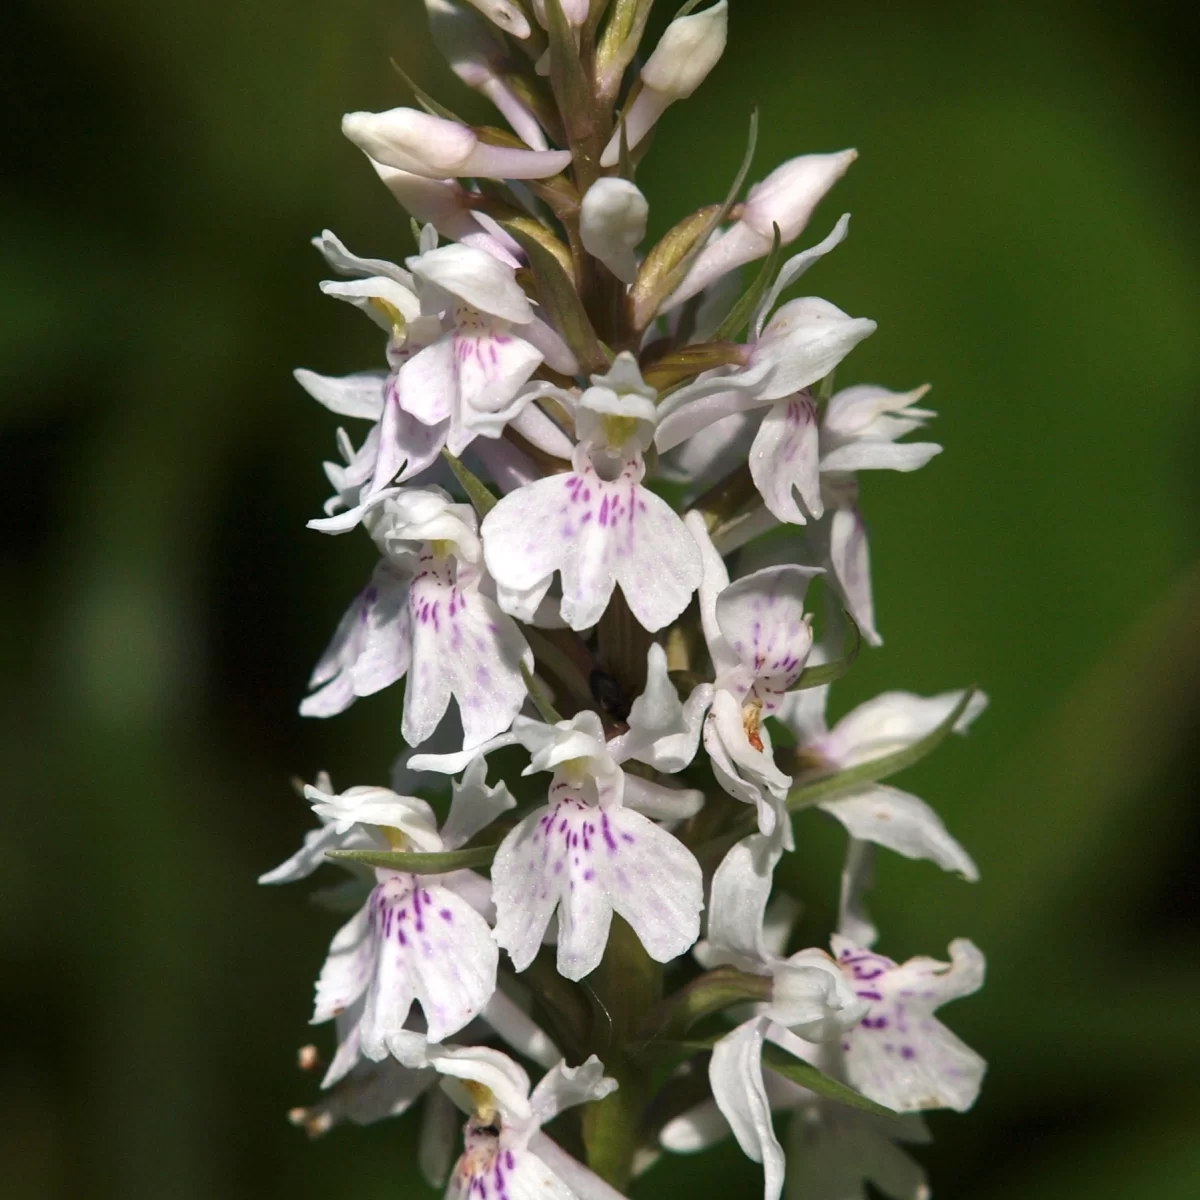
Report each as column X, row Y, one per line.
column 1025, row 234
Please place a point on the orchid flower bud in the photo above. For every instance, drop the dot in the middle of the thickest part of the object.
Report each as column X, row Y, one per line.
column 686, row 53
column 477, row 56
column 787, row 198
column 507, row 16
column 612, row 221
column 437, row 148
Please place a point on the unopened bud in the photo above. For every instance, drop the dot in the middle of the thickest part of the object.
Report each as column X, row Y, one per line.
column 507, row 16
column 787, row 198
column 789, row 194
column 478, row 57
column 612, row 222
column 307, row 1058
column 685, row 54
column 438, row 148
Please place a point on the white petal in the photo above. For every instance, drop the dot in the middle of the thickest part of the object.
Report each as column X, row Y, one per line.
column 746, row 773
column 900, row 1055
column 311, row 854
column 474, row 805
column 465, row 647
column 714, row 581
column 891, row 721
column 358, row 395
column 505, row 1079
column 812, row 997
column 493, row 367
column 427, row 384
column 596, row 533
column 796, row 266
column 783, row 460
column 563, row 1087
column 518, row 1029
column 761, row 617
column 452, row 764
column 892, row 818
column 591, row 862
column 407, row 445
column 476, row 277
column 661, row 803
column 364, row 293
column 803, row 711
column 549, row 342
column 805, row 340
column 735, row 1072
column 583, row 1183
column 654, row 883
column 371, row 647
column 427, row 145
column 347, row 969
column 436, row 1142
column 432, row 947
column 540, row 431
column 696, row 1129
column 873, row 455
column 674, row 753
column 850, row 559
column 345, row 262
column 525, row 895
column 741, row 887
column 370, row 1092
column 855, row 412
column 656, row 713
column 378, row 806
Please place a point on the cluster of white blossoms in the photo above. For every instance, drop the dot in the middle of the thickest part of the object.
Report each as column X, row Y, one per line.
column 601, row 480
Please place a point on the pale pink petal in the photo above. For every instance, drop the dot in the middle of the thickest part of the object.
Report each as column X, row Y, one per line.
column 783, row 460
column 465, row 647
column 891, row 721
column 347, row 969
column 427, row 384
column 894, row 819
column 850, row 559
column 432, row 947
column 761, row 617
column 371, row 647
column 900, row 1055
column 735, row 1073
column 597, row 533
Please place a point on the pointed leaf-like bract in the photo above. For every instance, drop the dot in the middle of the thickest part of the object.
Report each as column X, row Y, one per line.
column 436, row 863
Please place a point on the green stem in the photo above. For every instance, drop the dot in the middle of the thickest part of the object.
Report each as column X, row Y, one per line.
column 625, row 985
